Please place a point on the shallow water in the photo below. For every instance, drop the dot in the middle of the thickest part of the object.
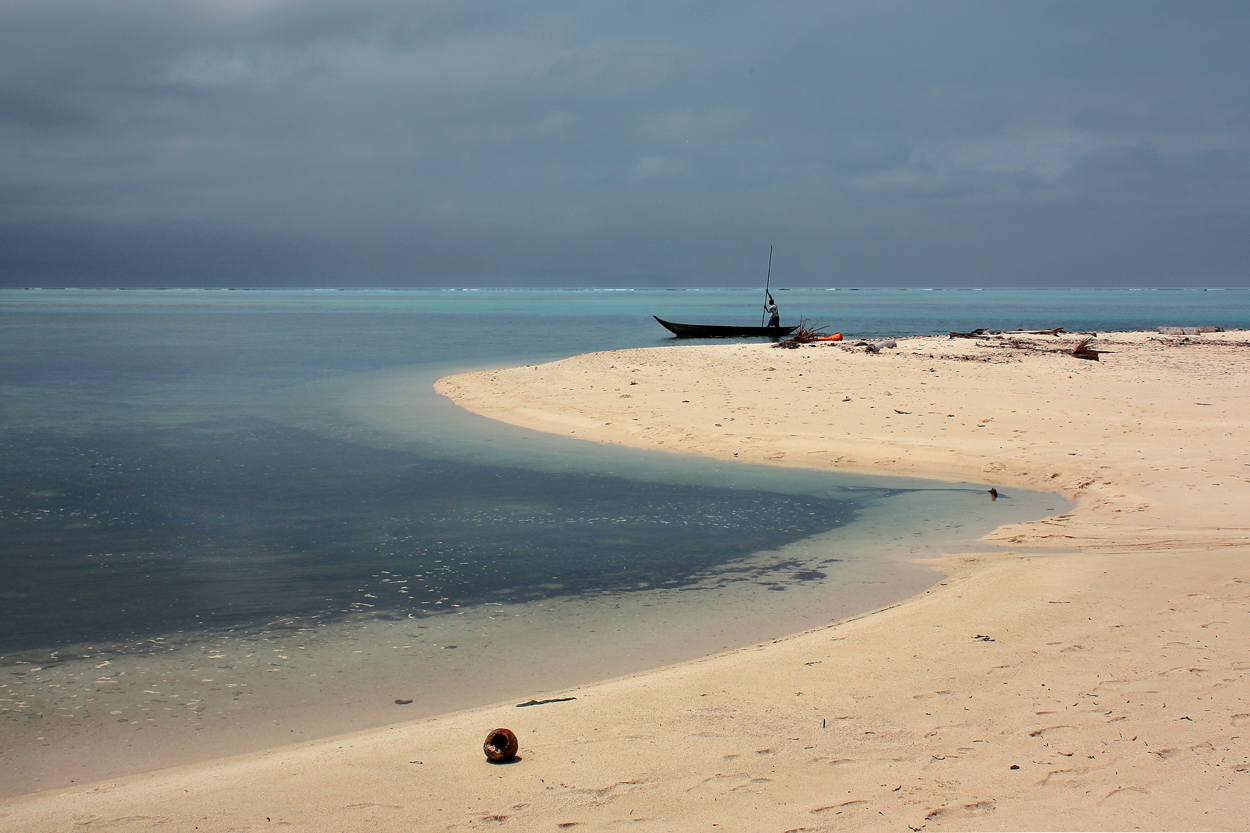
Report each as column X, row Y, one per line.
column 133, row 534
column 244, row 517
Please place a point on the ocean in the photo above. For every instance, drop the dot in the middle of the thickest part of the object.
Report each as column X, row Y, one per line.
column 236, row 518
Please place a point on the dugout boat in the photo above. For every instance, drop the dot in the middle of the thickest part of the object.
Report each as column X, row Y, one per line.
column 723, row 330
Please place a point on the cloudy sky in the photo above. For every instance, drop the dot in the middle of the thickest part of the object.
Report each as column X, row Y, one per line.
column 554, row 143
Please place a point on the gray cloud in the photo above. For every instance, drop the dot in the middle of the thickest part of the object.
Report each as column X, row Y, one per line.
column 306, row 142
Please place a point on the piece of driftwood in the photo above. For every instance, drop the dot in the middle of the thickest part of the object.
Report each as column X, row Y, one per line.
column 544, row 702
column 883, row 344
column 981, row 332
column 1021, row 332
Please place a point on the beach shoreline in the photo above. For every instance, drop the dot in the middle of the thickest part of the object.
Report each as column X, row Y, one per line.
column 1090, row 673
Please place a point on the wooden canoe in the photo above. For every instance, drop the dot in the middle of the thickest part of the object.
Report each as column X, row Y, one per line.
column 723, row 330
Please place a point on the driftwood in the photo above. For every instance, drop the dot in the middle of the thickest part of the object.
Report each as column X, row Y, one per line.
column 544, row 702
column 1189, row 331
column 1083, row 349
column 1185, row 341
column 873, row 346
column 983, row 331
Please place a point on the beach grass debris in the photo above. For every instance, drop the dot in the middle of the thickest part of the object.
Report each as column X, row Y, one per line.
column 1084, row 351
column 807, row 333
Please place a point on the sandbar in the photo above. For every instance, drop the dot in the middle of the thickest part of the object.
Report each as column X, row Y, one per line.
column 1090, row 672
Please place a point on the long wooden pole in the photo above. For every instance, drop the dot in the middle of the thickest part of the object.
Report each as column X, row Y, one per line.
column 766, row 281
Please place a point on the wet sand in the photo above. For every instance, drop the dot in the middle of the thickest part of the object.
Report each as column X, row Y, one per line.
column 92, row 713
column 1090, row 674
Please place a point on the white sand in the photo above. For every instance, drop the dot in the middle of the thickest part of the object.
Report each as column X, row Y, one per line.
column 1092, row 676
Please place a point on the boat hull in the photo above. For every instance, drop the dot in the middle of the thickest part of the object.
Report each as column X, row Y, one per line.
column 723, row 331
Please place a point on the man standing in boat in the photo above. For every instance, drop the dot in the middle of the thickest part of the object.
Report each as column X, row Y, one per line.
column 770, row 307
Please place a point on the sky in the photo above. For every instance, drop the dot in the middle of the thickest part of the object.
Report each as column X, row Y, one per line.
column 550, row 143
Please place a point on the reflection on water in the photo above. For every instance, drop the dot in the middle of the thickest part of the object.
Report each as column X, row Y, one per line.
column 129, row 534
column 180, row 461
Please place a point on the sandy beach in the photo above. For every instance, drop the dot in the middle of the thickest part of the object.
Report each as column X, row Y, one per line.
column 1089, row 671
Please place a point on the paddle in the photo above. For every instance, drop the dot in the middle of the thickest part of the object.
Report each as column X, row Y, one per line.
column 766, row 280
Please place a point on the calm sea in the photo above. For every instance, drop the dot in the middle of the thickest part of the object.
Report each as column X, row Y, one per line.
column 172, row 459
column 196, row 463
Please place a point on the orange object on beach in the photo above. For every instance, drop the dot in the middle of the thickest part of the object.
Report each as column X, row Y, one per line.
column 834, row 337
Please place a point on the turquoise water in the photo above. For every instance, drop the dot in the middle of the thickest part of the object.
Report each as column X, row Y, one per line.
column 174, row 462
column 234, row 519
